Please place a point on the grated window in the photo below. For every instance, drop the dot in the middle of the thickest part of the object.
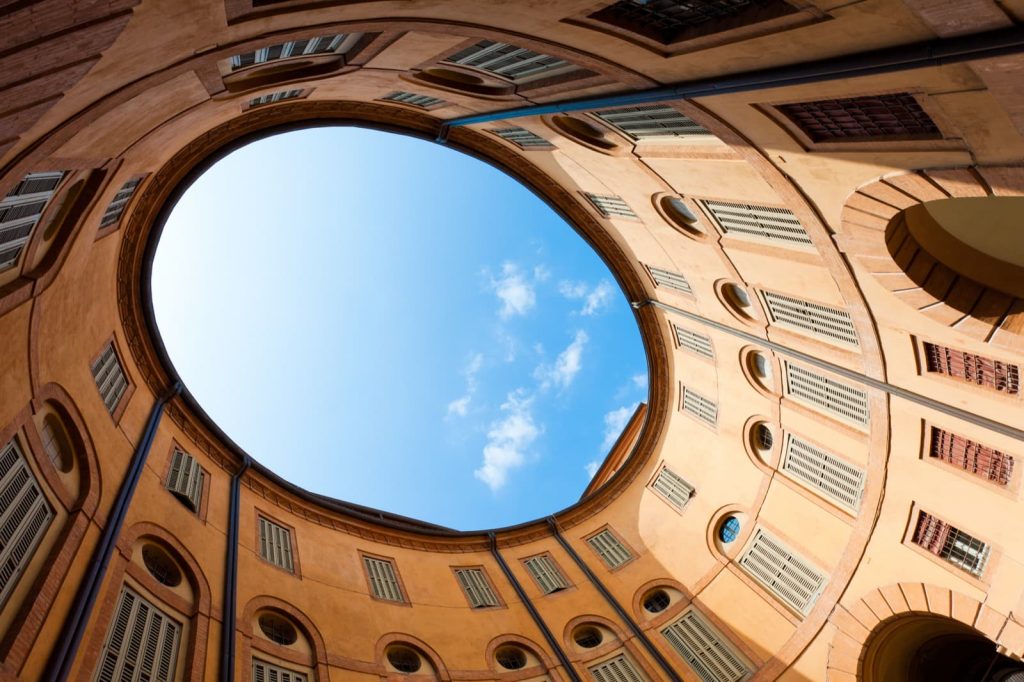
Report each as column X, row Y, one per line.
column 186, row 479
column 273, row 97
column 975, row 458
column 141, row 644
column 657, row 601
column 24, row 517
column 521, row 137
column 821, row 321
column 161, row 566
column 20, row 210
column 952, row 544
column 856, row 119
column 670, row 280
column 546, row 573
column 117, row 205
column 506, row 60
column 695, row 342
column 268, row 672
column 276, row 544
column 831, row 396
column 618, row 669
column 608, row 547
column 109, row 377
column 652, row 121
column 700, row 407
column 783, row 572
column 677, row 491
column 424, row 101
column 477, row 589
column 670, row 21
column 610, row 206
column 705, row 649
column 976, row 369
column 757, row 223
column 834, row 478
column 338, row 44
column 383, row 579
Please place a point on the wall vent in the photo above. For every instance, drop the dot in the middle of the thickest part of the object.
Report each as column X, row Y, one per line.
column 695, row 342
column 834, row 478
column 705, row 649
column 652, row 121
column 820, row 321
column 700, row 407
column 783, row 572
column 831, row 396
column 757, row 223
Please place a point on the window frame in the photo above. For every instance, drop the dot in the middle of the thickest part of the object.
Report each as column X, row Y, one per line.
column 618, row 538
column 122, row 403
column 982, row 581
column 363, row 556
column 204, row 496
column 1013, row 487
column 569, row 585
column 500, row 603
column 659, row 470
column 292, row 541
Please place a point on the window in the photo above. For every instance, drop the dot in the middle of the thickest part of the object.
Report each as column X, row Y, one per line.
column 673, row 488
column 657, row 601
column 587, row 636
column 782, row 571
column 950, row 543
column 276, row 544
column 56, row 444
column 608, row 547
column 109, row 377
column 279, row 96
column 510, row 657
column 670, row 280
column 546, row 573
column 267, row 672
column 610, row 206
column 834, row 478
column 705, row 649
column 821, row 321
column 856, row 119
column 695, row 342
column 757, row 223
column 522, row 138
column 833, row 397
column 975, row 458
column 651, row 121
column 278, row 629
column 404, row 659
column 296, row 48
column 161, row 566
column 141, row 644
column 24, row 517
column 185, row 479
column 729, row 530
column 383, row 579
column 763, row 438
column 20, row 211
column 422, row 101
column 117, row 205
column 477, row 589
column 618, row 669
column 502, row 59
column 976, row 369
column 700, row 407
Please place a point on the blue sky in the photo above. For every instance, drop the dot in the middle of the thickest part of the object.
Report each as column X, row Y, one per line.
column 387, row 321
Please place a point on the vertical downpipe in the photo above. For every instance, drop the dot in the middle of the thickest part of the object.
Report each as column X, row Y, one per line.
column 227, row 635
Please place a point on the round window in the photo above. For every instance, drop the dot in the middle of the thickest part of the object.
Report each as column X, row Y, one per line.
column 55, row 443
column 729, row 529
column 680, row 216
column 737, row 301
column 161, row 566
column 763, row 438
column 510, row 657
column 278, row 629
column 657, row 601
column 582, row 131
column 403, row 659
column 587, row 636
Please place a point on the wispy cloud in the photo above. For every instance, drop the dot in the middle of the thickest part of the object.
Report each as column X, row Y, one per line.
column 614, row 422
column 591, row 468
column 508, row 440
column 460, row 406
column 566, row 366
column 595, row 299
column 640, row 381
column 515, row 292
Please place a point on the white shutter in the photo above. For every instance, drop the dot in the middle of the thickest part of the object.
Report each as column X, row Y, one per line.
column 831, row 396
column 651, row 121
column 20, row 211
column 670, row 280
column 116, row 207
column 268, row 672
column 383, row 579
column 704, row 409
column 609, row 205
column 705, row 649
column 673, row 487
column 757, row 223
column 507, row 60
column 273, row 97
column 24, row 517
column 547, row 575
column 141, row 645
column 478, row 591
column 695, row 342
column 608, row 547
column 618, row 669
column 109, row 377
column 186, row 478
column 339, row 44
column 820, row 321
column 521, row 137
column 783, row 572
column 415, row 100
column 276, row 544
column 836, row 479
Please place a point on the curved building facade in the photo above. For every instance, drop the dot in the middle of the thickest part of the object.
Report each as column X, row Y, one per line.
column 814, row 207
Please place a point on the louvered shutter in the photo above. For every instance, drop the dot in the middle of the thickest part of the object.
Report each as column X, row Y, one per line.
column 478, row 591
column 610, row 205
column 705, row 649
column 24, row 517
column 296, row 48
column 652, row 121
column 670, row 280
column 109, row 377
column 423, row 101
column 521, row 137
column 618, row 669
column 507, row 60
column 820, row 321
column 186, row 478
column 757, row 223
column 276, row 544
column 833, row 477
column 267, row 672
column 783, row 572
column 700, row 407
column 116, row 207
column 20, row 210
column 673, row 487
column 831, row 396
column 383, row 579
column 608, row 547
column 695, row 342
column 141, row 645
column 547, row 575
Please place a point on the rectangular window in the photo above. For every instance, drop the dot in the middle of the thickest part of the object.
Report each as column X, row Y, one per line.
column 856, row 119
column 502, row 59
column 831, row 396
column 670, row 280
column 608, row 547
column 186, row 479
column 976, row 369
column 546, row 573
column 975, row 458
column 695, row 342
column 673, row 488
column 700, row 407
column 783, row 572
column 705, row 649
column 950, row 543
column 339, row 44
column 422, row 101
column 478, row 590
column 24, row 517
column 383, row 579
column 276, row 544
column 109, row 377
column 522, row 138
column 610, row 206
column 618, row 669
column 20, row 211
column 267, row 672
column 820, row 321
column 279, row 96
column 652, row 121
column 141, row 645
column 116, row 207
column 757, row 223
column 834, row 478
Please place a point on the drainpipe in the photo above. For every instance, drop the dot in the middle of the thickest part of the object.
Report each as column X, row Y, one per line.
column 63, row 657
column 518, row 588
column 227, row 635
column 641, row 636
column 930, row 53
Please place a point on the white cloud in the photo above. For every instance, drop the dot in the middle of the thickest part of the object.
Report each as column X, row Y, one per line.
column 541, row 273
column 591, row 468
column 567, row 365
column 515, row 292
column 573, row 290
column 614, row 422
column 594, row 299
column 508, row 440
column 459, row 407
column 640, row 381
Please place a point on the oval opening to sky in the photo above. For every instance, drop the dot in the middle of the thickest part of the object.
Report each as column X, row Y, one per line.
column 390, row 322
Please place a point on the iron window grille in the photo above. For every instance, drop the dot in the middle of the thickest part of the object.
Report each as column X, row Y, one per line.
column 952, row 544
column 976, row 369
column 973, row 457
column 856, row 119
